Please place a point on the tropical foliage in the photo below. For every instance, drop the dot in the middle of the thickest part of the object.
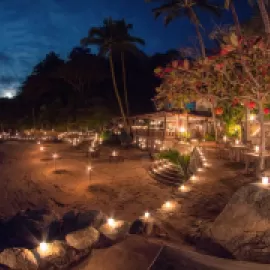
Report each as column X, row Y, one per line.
column 180, row 160
column 111, row 38
column 239, row 74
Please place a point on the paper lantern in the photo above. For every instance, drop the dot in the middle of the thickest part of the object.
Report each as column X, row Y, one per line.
column 251, row 105
column 266, row 110
column 219, row 111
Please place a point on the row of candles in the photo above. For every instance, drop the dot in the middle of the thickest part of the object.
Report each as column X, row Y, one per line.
column 168, row 206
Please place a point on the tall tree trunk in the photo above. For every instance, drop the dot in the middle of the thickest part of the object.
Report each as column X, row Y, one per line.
column 196, row 23
column 236, row 19
column 214, row 121
column 262, row 138
column 265, row 18
column 116, row 91
column 200, row 40
column 125, row 82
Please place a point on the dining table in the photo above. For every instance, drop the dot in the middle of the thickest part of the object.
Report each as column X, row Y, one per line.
column 236, row 151
column 255, row 157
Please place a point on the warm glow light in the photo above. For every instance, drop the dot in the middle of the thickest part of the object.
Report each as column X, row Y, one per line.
column 167, row 206
column 43, row 246
column 224, row 138
column 146, row 215
column 252, row 117
column 41, row 148
column 89, row 168
column 55, row 156
column 257, row 148
column 236, row 141
column 111, row 222
column 182, row 188
column 182, row 129
column 38, row 142
column 265, row 180
column 114, row 153
column 193, row 178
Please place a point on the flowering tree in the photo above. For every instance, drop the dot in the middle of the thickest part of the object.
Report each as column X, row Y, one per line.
column 186, row 81
column 239, row 73
column 246, row 70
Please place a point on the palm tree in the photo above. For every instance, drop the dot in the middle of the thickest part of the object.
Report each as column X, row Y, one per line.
column 229, row 4
column 124, row 28
column 188, row 8
column 265, row 17
column 113, row 37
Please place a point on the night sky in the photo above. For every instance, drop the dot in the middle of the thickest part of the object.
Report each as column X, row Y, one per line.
column 31, row 28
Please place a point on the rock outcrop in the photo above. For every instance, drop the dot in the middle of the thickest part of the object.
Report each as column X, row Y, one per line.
column 83, row 239
column 243, row 228
column 18, row 258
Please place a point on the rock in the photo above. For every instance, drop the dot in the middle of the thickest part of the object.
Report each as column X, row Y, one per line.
column 21, row 229
column 94, row 218
column 117, row 232
column 243, row 228
column 57, row 255
column 133, row 253
column 137, row 227
column 83, row 239
column 18, row 258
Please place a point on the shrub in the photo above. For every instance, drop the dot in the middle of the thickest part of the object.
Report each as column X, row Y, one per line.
column 181, row 161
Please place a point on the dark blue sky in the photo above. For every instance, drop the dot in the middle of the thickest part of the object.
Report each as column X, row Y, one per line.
column 31, row 28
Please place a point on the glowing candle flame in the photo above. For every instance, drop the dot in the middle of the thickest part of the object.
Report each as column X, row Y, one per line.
column 265, row 180
column 41, row 148
column 43, row 246
column 55, row 156
column 146, row 215
column 111, row 222
column 182, row 188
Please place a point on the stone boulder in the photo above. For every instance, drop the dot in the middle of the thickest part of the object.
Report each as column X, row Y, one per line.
column 58, row 255
column 243, row 228
column 21, row 229
column 117, row 232
column 18, row 258
column 73, row 221
column 83, row 239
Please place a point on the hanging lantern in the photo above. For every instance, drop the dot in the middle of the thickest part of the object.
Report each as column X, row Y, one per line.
column 251, row 105
column 219, row 111
column 266, row 110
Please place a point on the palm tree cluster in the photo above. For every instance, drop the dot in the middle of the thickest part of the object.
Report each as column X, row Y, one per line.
column 111, row 38
column 78, row 91
column 172, row 9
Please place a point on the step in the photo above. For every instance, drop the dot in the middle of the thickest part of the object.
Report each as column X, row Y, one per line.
column 164, row 180
column 168, row 178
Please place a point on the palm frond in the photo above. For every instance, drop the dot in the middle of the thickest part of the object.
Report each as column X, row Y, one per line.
column 204, row 4
column 227, row 3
